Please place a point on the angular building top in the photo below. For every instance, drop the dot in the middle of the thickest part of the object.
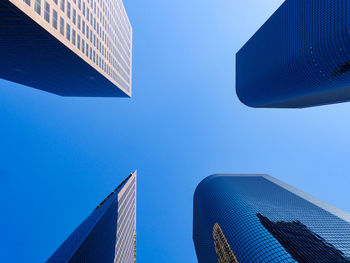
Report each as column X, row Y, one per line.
column 299, row 58
column 67, row 47
column 108, row 234
column 256, row 218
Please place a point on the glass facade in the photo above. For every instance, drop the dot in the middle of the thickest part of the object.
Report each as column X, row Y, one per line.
column 256, row 218
column 101, row 23
column 108, row 234
column 299, row 58
column 222, row 247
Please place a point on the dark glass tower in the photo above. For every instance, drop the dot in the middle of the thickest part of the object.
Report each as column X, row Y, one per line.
column 299, row 58
column 108, row 235
column 256, row 218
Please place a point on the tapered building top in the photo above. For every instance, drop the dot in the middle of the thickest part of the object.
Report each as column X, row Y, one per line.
column 108, row 235
column 67, row 47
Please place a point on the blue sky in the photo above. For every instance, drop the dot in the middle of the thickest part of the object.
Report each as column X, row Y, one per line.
column 61, row 156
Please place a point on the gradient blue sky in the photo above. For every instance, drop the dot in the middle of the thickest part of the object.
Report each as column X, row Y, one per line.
column 61, row 156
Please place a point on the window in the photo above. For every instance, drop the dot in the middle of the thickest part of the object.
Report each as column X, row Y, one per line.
column 79, row 4
column 83, row 27
column 55, row 1
column 62, row 26
column 68, row 9
column 27, row 2
column 87, row 14
column 54, row 19
column 84, row 8
column 82, row 45
column 78, row 41
column 74, row 16
column 73, row 37
column 37, row 6
column 47, row 12
column 87, row 32
column 62, row 5
column 79, row 22
column 68, row 32
column 87, row 50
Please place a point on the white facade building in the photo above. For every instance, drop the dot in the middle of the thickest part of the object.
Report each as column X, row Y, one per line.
column 98, row 31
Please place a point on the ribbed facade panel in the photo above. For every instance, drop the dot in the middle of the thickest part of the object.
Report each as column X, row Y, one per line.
column 241, row 218
column 126, row 225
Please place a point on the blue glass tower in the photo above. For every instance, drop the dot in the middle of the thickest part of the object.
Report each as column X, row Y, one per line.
column 299, row 58
column 256, row 218
column 108, row 235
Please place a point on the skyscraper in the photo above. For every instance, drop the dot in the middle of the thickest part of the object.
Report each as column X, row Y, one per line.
column 108, row 234
column 257, row 218
column 299, row 58
column 67, row 47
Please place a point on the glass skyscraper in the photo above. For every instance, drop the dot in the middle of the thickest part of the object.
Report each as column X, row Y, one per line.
column 299, row 58
column 67, row 47
column 108, row 235
column 257, row 218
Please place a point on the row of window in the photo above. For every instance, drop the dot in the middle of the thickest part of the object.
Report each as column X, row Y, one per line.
column 108, row 26
column 76, row 40
column 125, row 231
column 96, row 26
column 126, row 44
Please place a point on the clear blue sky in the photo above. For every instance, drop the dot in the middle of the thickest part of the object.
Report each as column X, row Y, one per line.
column 61, row 156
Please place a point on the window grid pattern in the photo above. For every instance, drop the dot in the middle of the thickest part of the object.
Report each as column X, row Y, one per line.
column 126, row 225
column 302, row 57
column 237, row 202
column 104, row 27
